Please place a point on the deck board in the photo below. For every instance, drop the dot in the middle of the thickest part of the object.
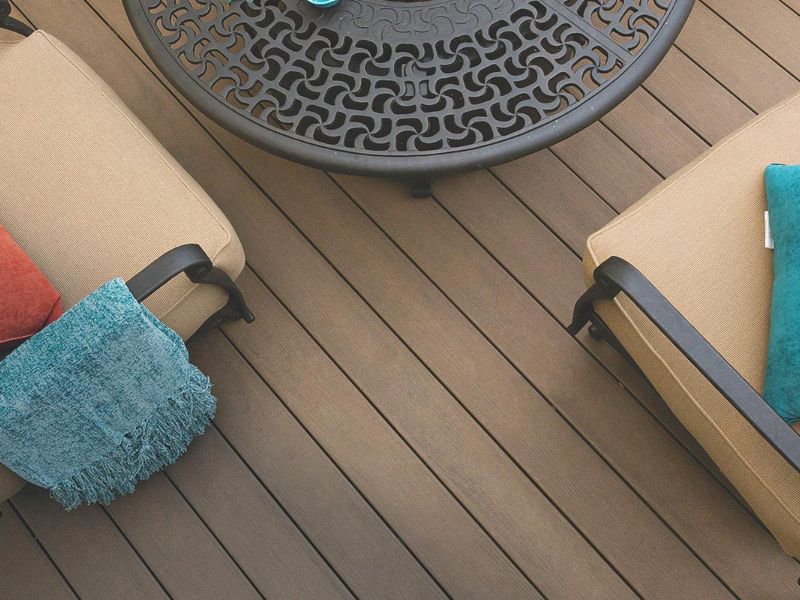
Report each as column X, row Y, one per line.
column 773, row 28
column 508, row 317
column 408, row 417
column 654, row 133
column 607, row 165
column 710, row 110
column 87, row 545
column 734, row 61
column 250, row 524
column 25, row 570
column 412, row 319
column 380, row 462
column 184, row 555
column 560, row 199
column 346, row 529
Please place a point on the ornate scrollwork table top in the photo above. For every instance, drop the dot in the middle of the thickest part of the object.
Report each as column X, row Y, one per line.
column 406, row 88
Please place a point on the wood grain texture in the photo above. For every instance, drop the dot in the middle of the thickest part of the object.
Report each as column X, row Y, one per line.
column 640, row 119
column 562, row 201
column 549, row 191
column 345, row 529
column 188, row 561
column 734, row 61
column 491, row 487
column 772, row 26
column 607, row 165
column 25, row 571
column 485, row 375
column 710, row 109
column 420, row 509
column 88, row 548
column 250, row 524
column 496, row 220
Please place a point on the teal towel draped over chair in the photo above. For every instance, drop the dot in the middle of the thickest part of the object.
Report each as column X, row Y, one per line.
column 101, row 399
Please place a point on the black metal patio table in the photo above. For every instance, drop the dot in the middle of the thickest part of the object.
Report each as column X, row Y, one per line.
column 406, row 88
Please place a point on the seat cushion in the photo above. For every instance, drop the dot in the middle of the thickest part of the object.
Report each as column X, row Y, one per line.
column 90, row 194
column 699, row 237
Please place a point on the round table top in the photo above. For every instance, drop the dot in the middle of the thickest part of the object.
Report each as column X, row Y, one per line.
column 406, row 88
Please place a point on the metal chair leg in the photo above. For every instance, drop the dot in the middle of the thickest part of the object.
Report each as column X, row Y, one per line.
column 422, row 188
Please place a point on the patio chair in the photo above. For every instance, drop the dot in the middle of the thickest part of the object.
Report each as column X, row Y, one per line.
column 90, row 194
column 681, row 284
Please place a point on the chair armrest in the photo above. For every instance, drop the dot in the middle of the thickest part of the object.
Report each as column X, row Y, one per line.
column 9, row 22
column 616, row 275
column 195, row 263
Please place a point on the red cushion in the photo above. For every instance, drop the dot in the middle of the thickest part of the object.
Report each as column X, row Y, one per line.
column 28, row 301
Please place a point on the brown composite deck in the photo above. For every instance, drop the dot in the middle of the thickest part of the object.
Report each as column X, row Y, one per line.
column 408, row 417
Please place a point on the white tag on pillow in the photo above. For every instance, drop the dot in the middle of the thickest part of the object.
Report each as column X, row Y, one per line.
column 768, row 243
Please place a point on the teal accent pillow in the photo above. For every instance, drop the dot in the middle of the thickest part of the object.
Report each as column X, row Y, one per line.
column 782, row 379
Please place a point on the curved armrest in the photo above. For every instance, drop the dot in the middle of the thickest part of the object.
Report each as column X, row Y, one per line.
column 194, row 262
column 616, row 275
column 10, row 23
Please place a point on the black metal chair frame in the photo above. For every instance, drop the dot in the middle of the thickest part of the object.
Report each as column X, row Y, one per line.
column 9, row 22
column 189, row 258
column 615, row 276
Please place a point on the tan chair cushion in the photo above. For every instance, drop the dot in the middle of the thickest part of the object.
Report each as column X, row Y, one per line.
column 699, row 237
column 90, row 194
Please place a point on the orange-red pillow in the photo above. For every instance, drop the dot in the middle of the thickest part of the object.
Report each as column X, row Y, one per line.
column 28, row 301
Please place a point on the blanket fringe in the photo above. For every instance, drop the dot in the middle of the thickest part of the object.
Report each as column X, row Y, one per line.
column 157, row 442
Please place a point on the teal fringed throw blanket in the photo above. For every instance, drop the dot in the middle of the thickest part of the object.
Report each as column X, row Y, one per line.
column 99, row 400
